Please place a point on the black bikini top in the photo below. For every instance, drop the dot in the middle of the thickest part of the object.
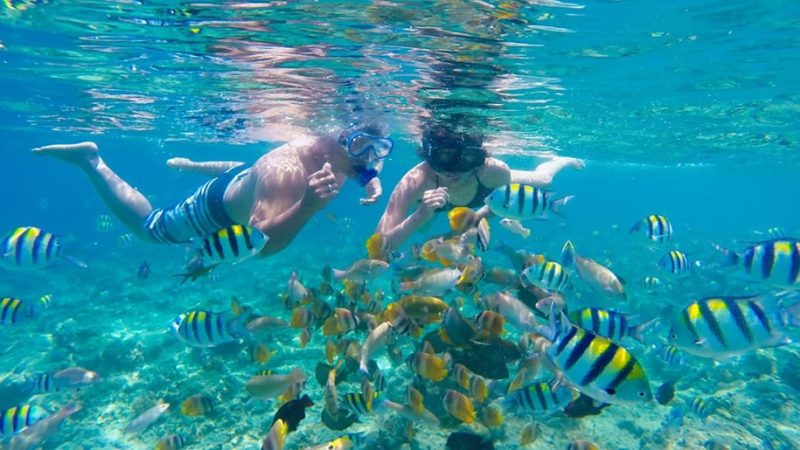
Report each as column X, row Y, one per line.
column 476, row 202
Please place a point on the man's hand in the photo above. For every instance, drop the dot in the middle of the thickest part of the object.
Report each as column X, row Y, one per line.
column 373, row 191
column 321, row 185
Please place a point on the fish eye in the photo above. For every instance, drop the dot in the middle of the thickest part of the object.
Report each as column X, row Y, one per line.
column 642, row 394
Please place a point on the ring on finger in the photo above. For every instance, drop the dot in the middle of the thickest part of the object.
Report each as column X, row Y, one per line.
column 330, row 187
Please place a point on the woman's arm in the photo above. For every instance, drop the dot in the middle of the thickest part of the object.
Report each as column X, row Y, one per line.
column 211, row 168
column 542, row 175
column 395, row 225
column 493, row 174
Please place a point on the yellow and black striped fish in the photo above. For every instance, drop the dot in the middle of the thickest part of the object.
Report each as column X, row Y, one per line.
column 726, row 326
column 522, row 201
column 233, row 244
column 611, row 324
column 546, row 274
column 539, row 398
column 656, row 227
column 359, row 403
column 594, row 364
column 14, row 310
column 676, row 262
column 776, row 261
column 210, row 329
column 171, row 442
column 15, row 419
column 29, row 247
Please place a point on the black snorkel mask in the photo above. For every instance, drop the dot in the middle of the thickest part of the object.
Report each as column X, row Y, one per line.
column 453, row 160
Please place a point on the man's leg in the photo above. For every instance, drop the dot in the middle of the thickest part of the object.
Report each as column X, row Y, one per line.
column 124, row 201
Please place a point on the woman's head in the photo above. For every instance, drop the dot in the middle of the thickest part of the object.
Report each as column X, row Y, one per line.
column 446, row 150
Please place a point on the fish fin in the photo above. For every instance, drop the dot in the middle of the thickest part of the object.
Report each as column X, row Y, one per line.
column 338, row 274
column 461, row 218
column 76, row 261
column 377, row 247
column 731, row 257
column 327, row 273
column 556, row 205
column 637, row 332
column 568, row 254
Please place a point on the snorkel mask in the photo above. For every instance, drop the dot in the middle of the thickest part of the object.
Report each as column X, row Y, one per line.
column 376, row 148
column 453, row 158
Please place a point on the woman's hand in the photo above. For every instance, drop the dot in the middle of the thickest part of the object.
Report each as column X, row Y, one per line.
column 434, row 199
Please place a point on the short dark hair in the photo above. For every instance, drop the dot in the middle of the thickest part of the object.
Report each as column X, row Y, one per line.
column 447, row 149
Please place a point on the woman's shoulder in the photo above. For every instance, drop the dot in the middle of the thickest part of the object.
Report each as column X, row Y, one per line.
column 494, row 173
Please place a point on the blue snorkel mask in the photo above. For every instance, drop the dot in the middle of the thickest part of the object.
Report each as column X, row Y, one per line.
column 377, row 148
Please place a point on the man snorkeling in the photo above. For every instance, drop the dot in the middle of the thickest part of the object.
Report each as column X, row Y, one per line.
column 277, row 195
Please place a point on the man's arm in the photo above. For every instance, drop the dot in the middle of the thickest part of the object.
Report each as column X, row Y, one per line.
column 280, row 214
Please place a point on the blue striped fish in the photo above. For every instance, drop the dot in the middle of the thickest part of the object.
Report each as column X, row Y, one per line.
column 17, row 418
column 651, row 284
column 611, row 324
column 676, row 262
column 539, row 398
column 521, row 201
column 656, row 227
column 14, row 310
column 233, row 244
column 29, row 247
column 718, row 327
column 545, row 274
column 594, row 364
column 210, row 329
column 776, row 261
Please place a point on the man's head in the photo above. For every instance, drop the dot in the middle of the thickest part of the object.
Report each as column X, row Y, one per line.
column 366, row 145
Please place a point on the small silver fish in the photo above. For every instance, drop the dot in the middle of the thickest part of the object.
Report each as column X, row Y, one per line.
column 147, row 418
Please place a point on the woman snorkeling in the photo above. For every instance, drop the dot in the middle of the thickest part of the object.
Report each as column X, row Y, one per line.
column 456, row 171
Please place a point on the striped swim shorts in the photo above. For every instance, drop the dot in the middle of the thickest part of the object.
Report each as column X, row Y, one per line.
column 199, row 215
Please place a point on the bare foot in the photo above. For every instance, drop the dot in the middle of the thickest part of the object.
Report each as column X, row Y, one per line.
column 81, row 154
column 180, row 163
column 575, row 163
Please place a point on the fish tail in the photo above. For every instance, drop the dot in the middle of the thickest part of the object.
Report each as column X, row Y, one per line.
column 636, row 227
column 637, row 332
column 238, row 326
column 789, row 306
column 327, row 273
column 76, row 261
column 407, row 285
column 377, row 247
column 568, row 254
column 556, row 205
column 731, row 257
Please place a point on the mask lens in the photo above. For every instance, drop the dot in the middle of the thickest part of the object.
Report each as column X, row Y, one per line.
column 361, row 143
column 383, row 148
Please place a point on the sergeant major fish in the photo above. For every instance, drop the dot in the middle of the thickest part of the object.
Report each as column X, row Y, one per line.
column 775, row 261
column 521, row 201
column 719, row 327
column 656, row 227
column 210, row 329
column 32, row 248
column 233, row 244
column 594, row 364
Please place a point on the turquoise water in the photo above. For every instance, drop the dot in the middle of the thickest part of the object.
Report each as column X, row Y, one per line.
column 682, row 109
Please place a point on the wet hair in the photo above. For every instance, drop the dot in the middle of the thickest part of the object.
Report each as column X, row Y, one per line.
column 448, row 150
